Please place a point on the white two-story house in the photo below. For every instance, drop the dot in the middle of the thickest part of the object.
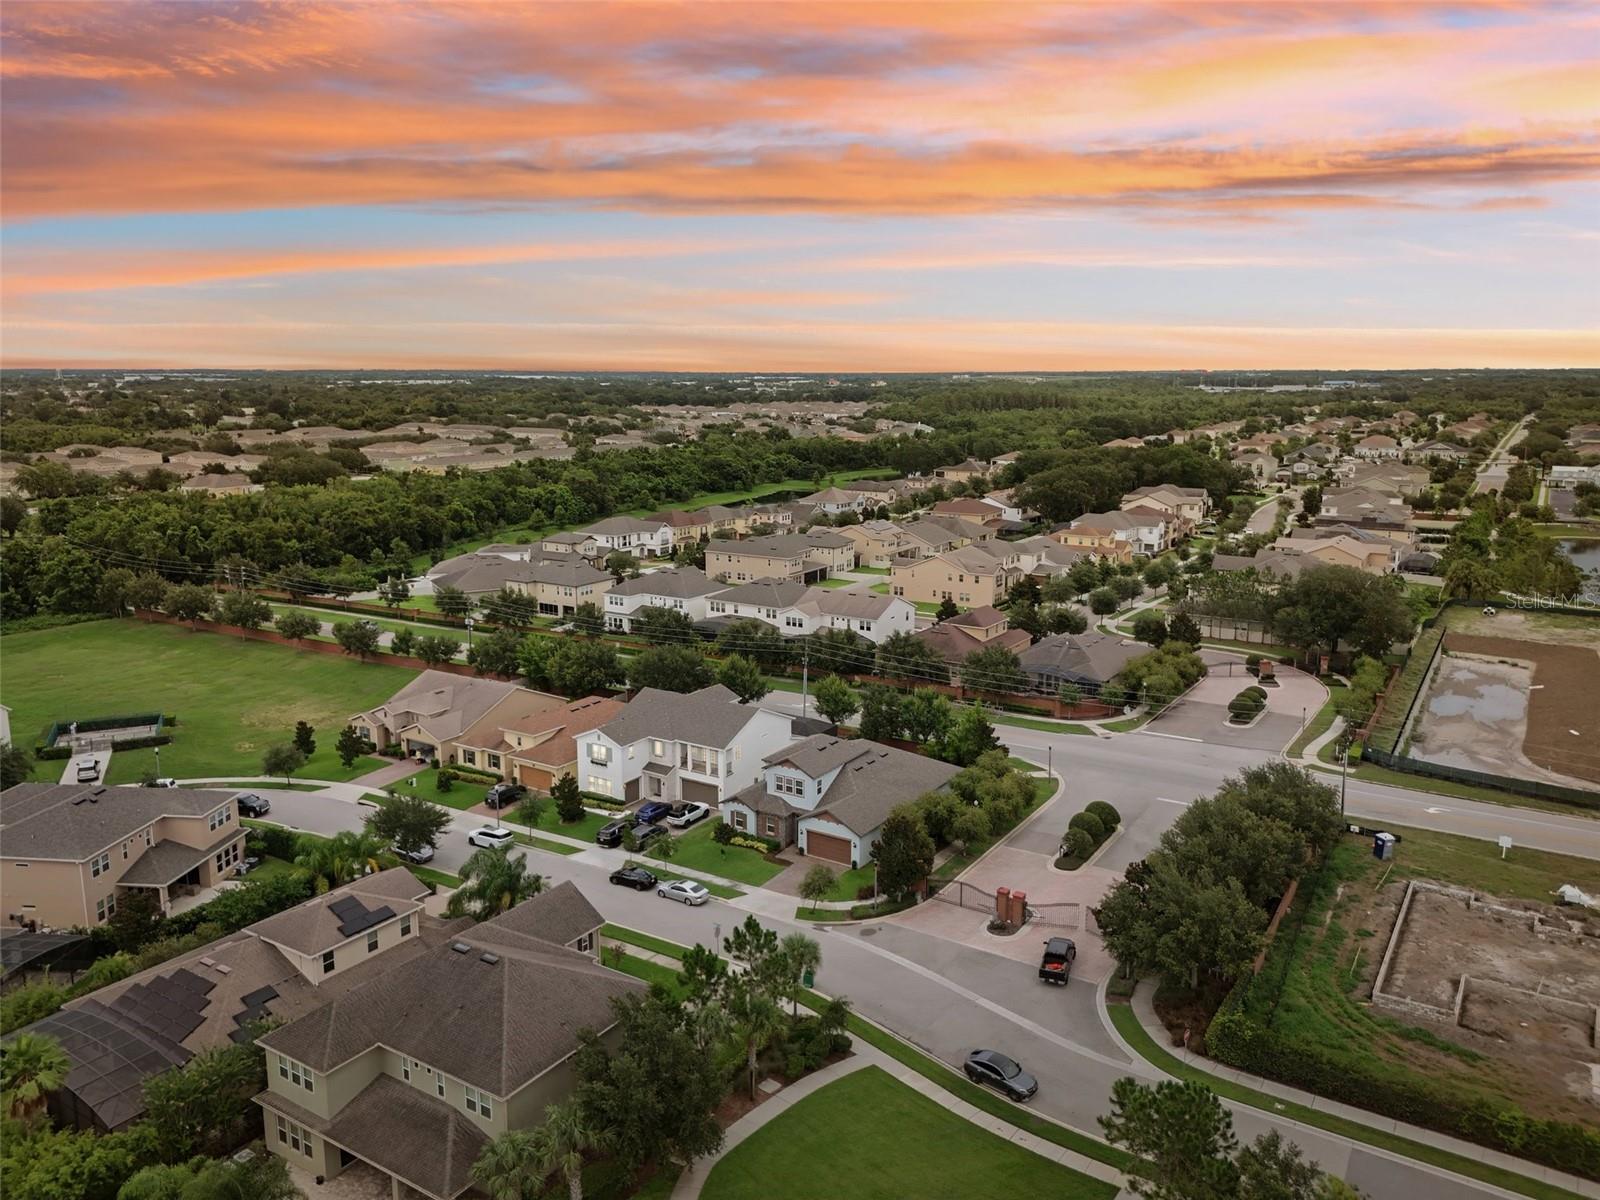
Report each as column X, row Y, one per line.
column 830, row 795
column 794, row 609
column 683, row 589
column 640, row 538
column 702, row 747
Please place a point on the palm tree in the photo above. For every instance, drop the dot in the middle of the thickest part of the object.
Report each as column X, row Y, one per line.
column 1472, row 578
column 31, row 1067
column 758, row 1018
column 561, row 1142
column 508, row 1167
column 801, row 954
column 341, row 858
column 492, row 882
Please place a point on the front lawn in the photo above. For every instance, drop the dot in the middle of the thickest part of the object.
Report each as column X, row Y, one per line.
column 870, row 1137
column 850, row 882
column 270, row 868
column 698, row 851
column 835, row 583
column 468, row 793
column 233, row 698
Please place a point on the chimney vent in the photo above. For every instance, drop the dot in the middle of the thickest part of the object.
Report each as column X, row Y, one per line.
column 460, row 947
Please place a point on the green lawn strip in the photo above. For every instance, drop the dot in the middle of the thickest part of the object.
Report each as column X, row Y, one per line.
column 276, row 785
column 539, row 843
column 1022, row 764
column 889, row 1141
column 233, row 698
column 1371, row 773
column 883, row 590
column 1122, row 1016
column 848, row 884
column 1128, row 724
column 698, row 851
column 885, row 570
column 271, row 868
column 645, row 941
column 1269, row 649
column 650, row 972
column 438, row 878
column 835, row 583
column 922, row 606
column 1523, row 874
column 1321, row 722
column 1005, row 718
column 859, row 912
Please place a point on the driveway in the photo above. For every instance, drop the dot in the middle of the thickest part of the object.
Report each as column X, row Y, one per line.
column 1202, row 715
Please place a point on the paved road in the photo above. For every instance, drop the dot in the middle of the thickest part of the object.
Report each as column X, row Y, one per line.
column 1265, row 517
column 944, row 997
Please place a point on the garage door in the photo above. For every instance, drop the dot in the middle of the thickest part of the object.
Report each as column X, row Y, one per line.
column 692, row 790
column 825, row 845
column 533, row 777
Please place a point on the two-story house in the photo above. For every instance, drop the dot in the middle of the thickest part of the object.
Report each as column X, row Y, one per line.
column 415, row 1071
column 974, row 576
column 1188, row 505
column 877, row 543
column 804, row 556
column 70, row 852
column 975, row 629
column 560, row 583
column 829, row 795
column 638, row 537
column 438, row 709
column 682, row 589
column 538, row 748
column 703, row 747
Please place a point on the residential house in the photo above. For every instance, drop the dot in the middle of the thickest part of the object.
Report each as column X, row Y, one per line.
column 829, row 796
column 973, row 576
column 1188, row 505
column 1004, row 460
column 1402, row 533
column 836, row 500
column 1440, row 452
column 1377, row 445
column 574, row 543
column 1369, row 552
column 963, row 472
column 808, row 556
column 1101, row 541
column 1571, row 477
column 975, row 629
column 225, row 484
column 428, row 716
column 864, row 613
column 1361, row 502
column 69, row 853
column 1142, row 530
column 560, row 583
column 1085, row 660
column 703, row 747
column 682, row 589
column 537, row 748
column 1390, row 478
column 475, row 573
column 877, row 543
column 416, row 1070
column 1124, row 443
column 769, row 600
column 1262, row 467
column 1044, row 558
column 980, row 511
column 933, row 535
column 638, row 537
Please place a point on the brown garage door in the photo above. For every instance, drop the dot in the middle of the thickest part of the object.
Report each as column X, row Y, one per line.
column 692, row 790
column 825, row 845
column 533, row 777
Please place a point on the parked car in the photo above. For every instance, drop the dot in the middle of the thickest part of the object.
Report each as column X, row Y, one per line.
column 685, row 815
column 89, row 772
column 490, row 837
column 252, row 805
column 503, row 795
column 635, row 877
column 993, row 1069
column 649, row 835
column 1056, row 965
column 422, row 854
column 650, row 813
column 684, row 891
column 611, row 834
column 164, row 783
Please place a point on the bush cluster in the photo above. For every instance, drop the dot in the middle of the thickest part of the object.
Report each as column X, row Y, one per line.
column 1088, row 829
column 1247, row 704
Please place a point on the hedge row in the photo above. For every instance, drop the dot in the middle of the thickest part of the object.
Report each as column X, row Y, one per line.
column 1236, row 1039
column 1247, row 703
column 596, row 800
column 59, row 753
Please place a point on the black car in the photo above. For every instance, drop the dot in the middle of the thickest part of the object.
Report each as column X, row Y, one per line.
column 993, row 1069
column 635, row 877
column 1056, row 965
column 503, row 795
column 611, row 834
column 649, row 835
column 252, row 805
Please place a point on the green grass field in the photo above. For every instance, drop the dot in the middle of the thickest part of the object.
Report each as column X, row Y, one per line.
column 835, row 583
column 233, row 698
column 696, row 851
column 870, row 1137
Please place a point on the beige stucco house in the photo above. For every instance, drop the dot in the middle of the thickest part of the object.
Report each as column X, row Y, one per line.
column 974, row 576
column 438, row 709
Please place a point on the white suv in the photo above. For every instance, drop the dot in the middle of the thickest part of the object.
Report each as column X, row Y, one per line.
column 491, row 837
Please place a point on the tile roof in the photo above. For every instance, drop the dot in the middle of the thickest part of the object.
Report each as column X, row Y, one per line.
column 76, row 821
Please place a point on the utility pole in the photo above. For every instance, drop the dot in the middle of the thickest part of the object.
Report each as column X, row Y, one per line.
column 805, row 676
column 1344, row 767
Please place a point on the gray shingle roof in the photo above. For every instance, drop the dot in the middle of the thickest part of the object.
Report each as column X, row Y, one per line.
column 770, row 593
column 1084, row 657
column 872, row 778
column 561, row 915
column 564, row 570
column 615, row 525
column 76, row 821
column 709, row 717
column 781, row 545
column 679, row 582
column 313, row 927
column 448, row 703
column 167, row 860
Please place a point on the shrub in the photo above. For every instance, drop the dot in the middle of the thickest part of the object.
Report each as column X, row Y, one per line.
column 1090, row 824
column 1108, row 816
column 865, row 892
column 446, row 781
column 1246, row 704
column 1252, row 662
column 765, row 845
column 722, row 833
column 596, row 800
column 1077, row 844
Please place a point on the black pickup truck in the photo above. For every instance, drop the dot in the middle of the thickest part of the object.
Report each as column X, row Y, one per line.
column 1056, row 965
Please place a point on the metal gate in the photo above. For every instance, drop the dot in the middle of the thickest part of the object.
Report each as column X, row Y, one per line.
column 1067, row 915
column 965, row 895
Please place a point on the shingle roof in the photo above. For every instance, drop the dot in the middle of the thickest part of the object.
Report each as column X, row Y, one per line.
column 772, row 593
column 313, row 927
column 856, row 605
column 615, row 525
column 167, row 860
column 564, row 570
column 1085, row 657
column 568, row 721
column 678, row 582
column 782, row 545
column 709, row 717
column 76, row 821
column 562, row 914
column 450, row 704
column 871, row 781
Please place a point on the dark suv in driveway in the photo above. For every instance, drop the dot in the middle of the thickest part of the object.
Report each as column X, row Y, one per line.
column 649, row 814
column 504, row 795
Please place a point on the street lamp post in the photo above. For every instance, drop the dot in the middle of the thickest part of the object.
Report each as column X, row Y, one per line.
column 1344, row 768
column 469, row 632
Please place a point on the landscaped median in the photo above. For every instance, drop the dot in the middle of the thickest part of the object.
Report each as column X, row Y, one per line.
column 1127, row 1024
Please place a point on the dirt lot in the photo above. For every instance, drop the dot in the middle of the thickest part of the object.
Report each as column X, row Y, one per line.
column 1547, row 1039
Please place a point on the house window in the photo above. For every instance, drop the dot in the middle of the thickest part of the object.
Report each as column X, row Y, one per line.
column 738, row 819
column 598, row 784
column 478, row 1102
column 494, row 762
column 470, row 757
column 771, row 826
column 438, row 1085
column 585, row 943
column 100, row 864
column 220, row 817
column 405, row 925
column 227, row 857
column 788, row 785
column 295, row 1073
column 658, row 749
column 372, row 940
column 599, row 753
column 327, row 961
column 405, row 1069
column 293, row 1136
column 104, row 907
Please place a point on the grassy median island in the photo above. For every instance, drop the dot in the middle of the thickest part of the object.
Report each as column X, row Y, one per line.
column 870, row 1137
column 233, row 698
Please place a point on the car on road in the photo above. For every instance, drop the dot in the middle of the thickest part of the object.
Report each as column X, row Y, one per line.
column 422, row 854
column 635, row 877
column 648, row 835
column 1056, row 964
column 491, row 837
column 684, row 815
column 684, row 891
column 164, row 783
column 252, row 805
column 993, row 1069
column 503, row 795
column 89, row 772
column 649, row 814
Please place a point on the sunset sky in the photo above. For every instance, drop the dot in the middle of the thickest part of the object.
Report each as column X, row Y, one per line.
column 799, row 186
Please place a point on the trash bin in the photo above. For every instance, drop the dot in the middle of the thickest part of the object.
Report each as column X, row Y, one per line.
column 808, row 977
column 1383, row 845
